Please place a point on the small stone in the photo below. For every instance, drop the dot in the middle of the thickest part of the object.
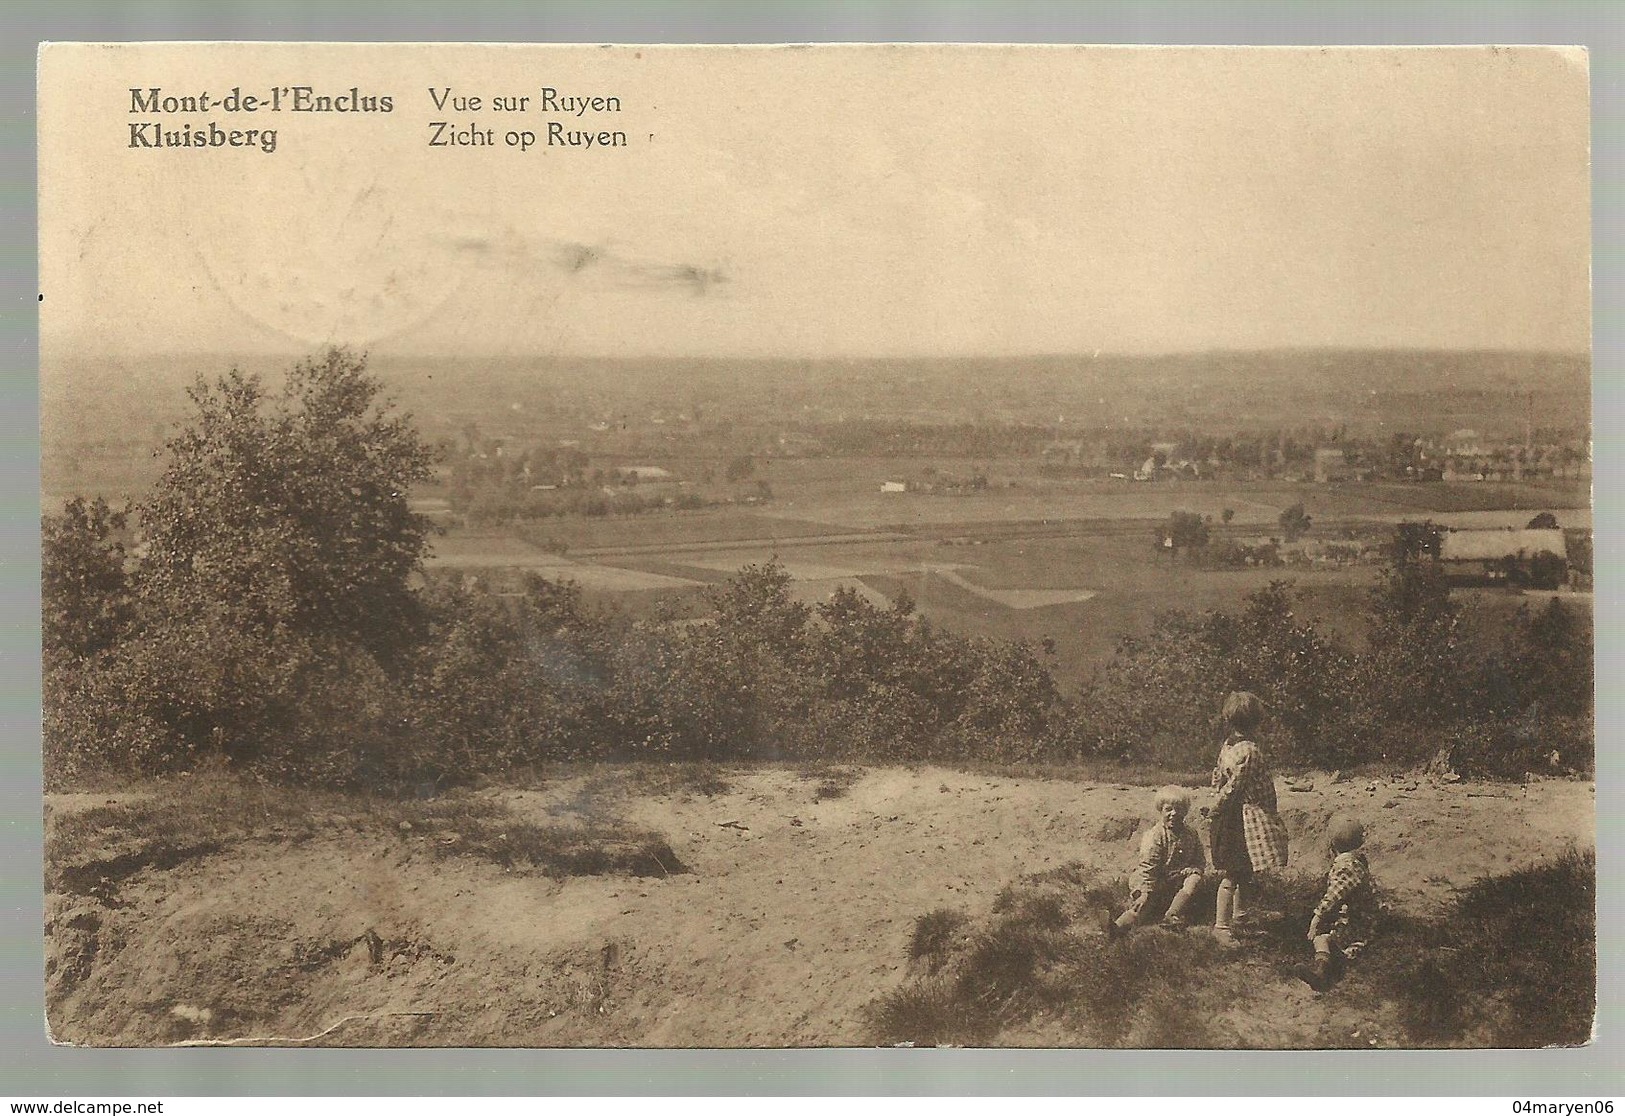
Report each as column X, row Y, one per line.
column 406, row 827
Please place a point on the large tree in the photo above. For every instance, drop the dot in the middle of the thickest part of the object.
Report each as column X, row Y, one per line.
column 1183, row 530
column 1295, row 522
column 285, row 512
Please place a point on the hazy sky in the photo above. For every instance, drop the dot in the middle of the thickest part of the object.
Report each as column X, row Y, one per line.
column 826, row 201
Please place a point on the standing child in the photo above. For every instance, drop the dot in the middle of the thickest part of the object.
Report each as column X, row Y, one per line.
column 1341, row 920
column 1171, row 867
column 1247, row 834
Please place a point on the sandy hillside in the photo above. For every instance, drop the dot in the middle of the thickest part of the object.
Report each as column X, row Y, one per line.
column 784, row 919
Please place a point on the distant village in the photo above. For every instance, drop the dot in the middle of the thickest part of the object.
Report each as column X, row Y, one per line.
column 1461, row 456
column 692, row 465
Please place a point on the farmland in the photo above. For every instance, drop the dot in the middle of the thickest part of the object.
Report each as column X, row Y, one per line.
column 1041, row 560
column 1028, row 552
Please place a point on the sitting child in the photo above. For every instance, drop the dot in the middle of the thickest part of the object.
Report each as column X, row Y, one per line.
column 1171, row 867
column 1340, row 925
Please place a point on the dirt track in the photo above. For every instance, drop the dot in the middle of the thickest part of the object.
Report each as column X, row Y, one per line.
column 786, row 918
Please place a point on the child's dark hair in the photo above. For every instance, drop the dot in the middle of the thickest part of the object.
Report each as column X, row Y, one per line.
column 1242, row 712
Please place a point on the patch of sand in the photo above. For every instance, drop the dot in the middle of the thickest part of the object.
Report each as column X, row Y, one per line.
column 1016, row 598
column 778, row 930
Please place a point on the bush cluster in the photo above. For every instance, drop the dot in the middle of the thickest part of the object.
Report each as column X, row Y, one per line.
column 1416, row 690
column 502, row 680
column 498, row 506
column 270, row 611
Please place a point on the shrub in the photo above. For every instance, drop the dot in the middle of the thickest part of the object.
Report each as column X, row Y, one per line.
column 1513, row 964
column 288, row 512
column 934, row 935
column 508, row 679
column 1167, row 687
column 85, row 597
column 1028, row 962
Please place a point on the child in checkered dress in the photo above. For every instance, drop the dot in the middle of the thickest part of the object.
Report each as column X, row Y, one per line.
column 1246, row 832
column 1172, row 865
column 1340, row 925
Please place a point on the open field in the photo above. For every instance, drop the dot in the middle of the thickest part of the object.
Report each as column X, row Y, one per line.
column 1566, row 517
column 669, row 528
column 473, row 549
column 1015, row 598
column 1033, row 557
column 1081, row 584
column 752, row 907
column 909, row 511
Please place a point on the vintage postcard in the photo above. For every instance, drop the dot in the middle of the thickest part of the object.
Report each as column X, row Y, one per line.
column 836, row 546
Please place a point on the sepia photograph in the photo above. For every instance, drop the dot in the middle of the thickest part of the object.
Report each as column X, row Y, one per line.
column 835, row 546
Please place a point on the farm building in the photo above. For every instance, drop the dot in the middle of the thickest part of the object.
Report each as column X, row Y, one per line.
column 1331, row 464
column 1536, row 558
column 1463, row 443
column 893, row 486
column 643, row 472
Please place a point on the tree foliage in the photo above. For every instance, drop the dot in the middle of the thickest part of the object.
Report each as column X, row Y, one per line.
column 271, row 600
column 85, row 597
column 1295, row 522
column 1414, row 542
column 1184, row 530
column 288, row 510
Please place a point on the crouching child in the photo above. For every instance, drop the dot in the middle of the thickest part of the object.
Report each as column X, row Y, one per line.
column 1341, row 923
column 1172, row 866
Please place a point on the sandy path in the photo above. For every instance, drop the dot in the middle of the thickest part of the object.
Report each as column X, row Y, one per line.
column 785, row 925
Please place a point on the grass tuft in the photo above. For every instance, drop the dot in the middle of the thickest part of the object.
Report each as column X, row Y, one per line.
column 1511, row 964
column 553, row 850
column 934, row 935
column 832, row 782
column 930, row 1012
column 1029, row 962
column 1515, row 962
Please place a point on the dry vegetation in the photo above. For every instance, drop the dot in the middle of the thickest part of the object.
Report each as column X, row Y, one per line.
column 1511, row 962
column 692, row 905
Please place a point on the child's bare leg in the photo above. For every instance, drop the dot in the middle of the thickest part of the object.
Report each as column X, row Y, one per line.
column 1319, row 975
column 1130, row 918
column 1238, row 902
column 1225, row 905
column 1187, row 891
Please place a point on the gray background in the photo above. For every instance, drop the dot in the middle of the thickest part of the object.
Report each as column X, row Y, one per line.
column 30, row 1068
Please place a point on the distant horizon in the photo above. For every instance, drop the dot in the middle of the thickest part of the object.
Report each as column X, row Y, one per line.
column 383, row 352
